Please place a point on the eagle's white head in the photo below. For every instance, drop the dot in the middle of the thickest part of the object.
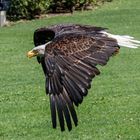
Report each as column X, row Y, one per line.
column 38, row 50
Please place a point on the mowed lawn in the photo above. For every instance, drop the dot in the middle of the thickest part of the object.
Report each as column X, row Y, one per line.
column 111, row 111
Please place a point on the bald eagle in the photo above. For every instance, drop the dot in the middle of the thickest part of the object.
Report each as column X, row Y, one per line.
column 69, row 55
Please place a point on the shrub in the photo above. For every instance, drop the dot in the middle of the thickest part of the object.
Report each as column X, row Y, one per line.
column 57, row 6
column 29, row 9
column 70, row 5
column 26, row 9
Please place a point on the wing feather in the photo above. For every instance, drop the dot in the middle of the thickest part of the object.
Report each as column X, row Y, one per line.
column 74, row 28
column 60, row 112
column 71, row 107
column 79, row 84
column 76, row 90
column 71, row 91
column 66, row 112
column 71, row 62
column 53, row 110
column 81, row 80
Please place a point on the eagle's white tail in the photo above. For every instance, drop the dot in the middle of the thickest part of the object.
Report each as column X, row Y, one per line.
column 124, row 40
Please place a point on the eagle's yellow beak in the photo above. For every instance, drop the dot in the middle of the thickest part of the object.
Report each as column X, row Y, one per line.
column 32, row 53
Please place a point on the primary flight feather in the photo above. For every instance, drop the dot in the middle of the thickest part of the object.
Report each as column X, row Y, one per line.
column 69, row 54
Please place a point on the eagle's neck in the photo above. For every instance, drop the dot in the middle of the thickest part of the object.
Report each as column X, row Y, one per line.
column 41, row 48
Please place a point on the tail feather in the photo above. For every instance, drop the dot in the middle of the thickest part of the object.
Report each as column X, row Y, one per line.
column 124, row 40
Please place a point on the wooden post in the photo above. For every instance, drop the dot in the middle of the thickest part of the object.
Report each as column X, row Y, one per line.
column 2, row 18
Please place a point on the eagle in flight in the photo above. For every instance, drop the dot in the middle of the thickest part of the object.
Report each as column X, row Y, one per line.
column 69, row 55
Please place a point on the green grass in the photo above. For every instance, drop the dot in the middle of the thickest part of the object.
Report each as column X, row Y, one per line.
column 111, row 111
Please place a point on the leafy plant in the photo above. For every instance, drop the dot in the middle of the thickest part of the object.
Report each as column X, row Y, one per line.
column 70, row 5
column 27, row 9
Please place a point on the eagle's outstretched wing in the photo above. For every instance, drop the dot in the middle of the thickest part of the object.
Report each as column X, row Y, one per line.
column 70, row 64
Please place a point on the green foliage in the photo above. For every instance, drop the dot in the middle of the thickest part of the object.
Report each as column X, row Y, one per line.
column 27, row 9
column 70, row 5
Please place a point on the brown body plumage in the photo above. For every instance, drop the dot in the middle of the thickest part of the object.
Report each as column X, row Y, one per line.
column 69, row 64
